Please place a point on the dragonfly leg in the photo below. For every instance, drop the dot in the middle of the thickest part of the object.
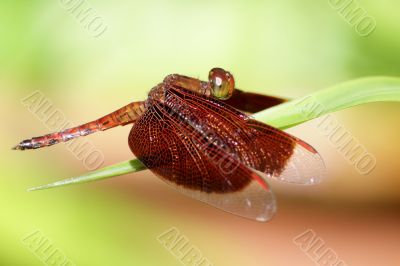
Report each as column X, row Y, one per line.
column 123, row 116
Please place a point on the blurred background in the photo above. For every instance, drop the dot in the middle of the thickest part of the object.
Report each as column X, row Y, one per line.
column 286, row 48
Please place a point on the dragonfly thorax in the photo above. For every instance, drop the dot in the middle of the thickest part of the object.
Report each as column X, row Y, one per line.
column 157, row 93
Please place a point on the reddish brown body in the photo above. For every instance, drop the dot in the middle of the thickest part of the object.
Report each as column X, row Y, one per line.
column 192, row 135
column 170, row 138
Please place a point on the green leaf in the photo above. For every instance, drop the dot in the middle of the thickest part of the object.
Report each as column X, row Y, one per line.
column 107, row 172
column 332, row 99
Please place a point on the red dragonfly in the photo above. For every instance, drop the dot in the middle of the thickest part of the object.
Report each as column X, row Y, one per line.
column 197, row 136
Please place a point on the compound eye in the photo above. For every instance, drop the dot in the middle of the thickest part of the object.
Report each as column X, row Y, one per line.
column 222, row 83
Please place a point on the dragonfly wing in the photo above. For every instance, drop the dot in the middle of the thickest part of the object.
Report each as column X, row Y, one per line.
column 252, row 102
column 264, row 148
column 184, row 159
column 304, row 166
column 212, row 152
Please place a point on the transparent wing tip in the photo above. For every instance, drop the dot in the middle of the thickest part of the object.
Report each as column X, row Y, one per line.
column 305, row 167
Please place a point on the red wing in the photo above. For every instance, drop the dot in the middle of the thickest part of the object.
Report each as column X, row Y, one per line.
column 207, row 150
column 252, row 102
column 304, row 165
column 262, row 147
column 186, row 160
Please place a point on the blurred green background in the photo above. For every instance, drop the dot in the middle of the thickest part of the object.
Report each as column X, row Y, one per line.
column 286, row 48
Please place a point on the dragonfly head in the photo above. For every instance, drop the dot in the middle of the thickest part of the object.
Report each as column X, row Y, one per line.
column 221, row 82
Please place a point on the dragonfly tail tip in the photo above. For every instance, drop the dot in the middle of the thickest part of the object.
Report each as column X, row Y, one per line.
column 18, row 147
column 21, row 146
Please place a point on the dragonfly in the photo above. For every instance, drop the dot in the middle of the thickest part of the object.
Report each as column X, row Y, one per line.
column 199, row 137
